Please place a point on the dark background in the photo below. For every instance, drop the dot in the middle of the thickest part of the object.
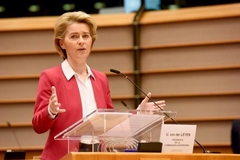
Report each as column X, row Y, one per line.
column 20, row 8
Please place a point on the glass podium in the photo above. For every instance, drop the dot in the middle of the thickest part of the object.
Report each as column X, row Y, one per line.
column 112, row 130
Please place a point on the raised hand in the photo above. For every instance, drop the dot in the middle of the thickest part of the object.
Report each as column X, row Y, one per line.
column 145, row 105
column 54, row 106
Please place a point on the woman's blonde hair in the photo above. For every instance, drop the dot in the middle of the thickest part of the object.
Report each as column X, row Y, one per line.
column 65, row 20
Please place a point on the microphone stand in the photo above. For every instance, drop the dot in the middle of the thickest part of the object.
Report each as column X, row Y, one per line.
column 14, row 134
column 9, row 154
column 118, row 72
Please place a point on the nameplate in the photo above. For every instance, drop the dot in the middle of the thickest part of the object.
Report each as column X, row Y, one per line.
column 177, row 138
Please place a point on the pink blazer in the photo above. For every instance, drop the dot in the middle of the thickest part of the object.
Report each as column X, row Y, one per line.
column 69, row 97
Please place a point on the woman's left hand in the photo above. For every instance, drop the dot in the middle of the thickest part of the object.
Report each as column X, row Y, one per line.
column 145, row 105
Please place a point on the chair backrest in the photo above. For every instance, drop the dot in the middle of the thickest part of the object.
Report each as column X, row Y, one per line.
column 16, row 155
column 235, row 136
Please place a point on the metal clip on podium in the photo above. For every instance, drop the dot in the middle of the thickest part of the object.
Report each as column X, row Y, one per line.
column 111, row 130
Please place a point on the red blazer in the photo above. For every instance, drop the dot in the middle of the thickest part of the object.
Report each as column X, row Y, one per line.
column 69, row 97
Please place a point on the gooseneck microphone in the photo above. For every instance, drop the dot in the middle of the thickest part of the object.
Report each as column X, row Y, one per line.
column 9, row 154
column 14, row 134
column 125, row 105
column 118, row 72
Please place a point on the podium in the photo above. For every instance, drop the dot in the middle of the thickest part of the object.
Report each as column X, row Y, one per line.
column 111, row 130
column 148, row 156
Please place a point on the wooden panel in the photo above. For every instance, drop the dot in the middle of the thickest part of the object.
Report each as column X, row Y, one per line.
column 27, row 64
column 192, row 82
column 190, row 14
column 26, row 41
column 120, row 86
column 47, row 22
column 191, row 32
column 114, row 37
column 205, row 56
column 43, row 40
column 211, row 106
column 20, row 112
column 27, row 23
column 104, row 61
column 213, row 132
column 225, row 149
column 25, row 135
column 18, row 89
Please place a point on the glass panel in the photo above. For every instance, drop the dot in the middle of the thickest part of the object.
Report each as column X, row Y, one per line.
column 113, row 130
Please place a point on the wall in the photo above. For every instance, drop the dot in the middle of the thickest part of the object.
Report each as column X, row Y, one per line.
column 189, row 57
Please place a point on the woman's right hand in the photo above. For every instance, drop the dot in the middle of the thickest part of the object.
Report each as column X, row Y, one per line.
column 54, row 106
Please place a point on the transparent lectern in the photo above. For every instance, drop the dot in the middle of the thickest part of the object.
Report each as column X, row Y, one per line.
column 111, row 130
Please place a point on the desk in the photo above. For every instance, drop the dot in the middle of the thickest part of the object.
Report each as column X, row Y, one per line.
column 147, row 156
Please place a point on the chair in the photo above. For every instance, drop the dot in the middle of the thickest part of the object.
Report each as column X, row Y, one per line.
column 10, row 155
column 235, row 136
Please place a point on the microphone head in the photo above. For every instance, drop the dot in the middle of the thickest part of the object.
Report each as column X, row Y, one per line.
column 115, row 71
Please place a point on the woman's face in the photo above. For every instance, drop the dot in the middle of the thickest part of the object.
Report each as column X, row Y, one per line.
column 77, row 42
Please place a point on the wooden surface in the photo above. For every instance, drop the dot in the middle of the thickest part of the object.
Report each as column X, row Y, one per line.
column 148, row 156
column 192, row 13
column 47, row 22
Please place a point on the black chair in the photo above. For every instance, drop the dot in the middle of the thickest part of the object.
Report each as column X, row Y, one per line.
column 235, row 136
column 14, row 155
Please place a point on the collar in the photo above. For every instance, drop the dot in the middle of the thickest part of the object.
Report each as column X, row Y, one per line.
column 69, row 72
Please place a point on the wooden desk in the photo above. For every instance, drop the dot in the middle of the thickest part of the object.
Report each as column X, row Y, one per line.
column 147, row 156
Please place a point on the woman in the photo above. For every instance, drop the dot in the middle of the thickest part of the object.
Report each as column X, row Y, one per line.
column 71, row 90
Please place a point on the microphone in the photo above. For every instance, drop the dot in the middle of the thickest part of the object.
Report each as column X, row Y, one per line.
column 125, row 105
column 14, row 134
column 9, row 154
column 118, row 72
